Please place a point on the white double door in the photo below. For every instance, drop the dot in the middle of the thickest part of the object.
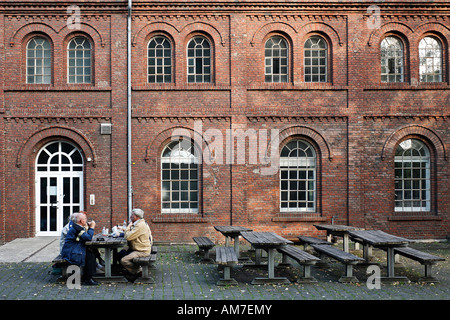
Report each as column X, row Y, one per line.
column 58, row 187
column 58, row 196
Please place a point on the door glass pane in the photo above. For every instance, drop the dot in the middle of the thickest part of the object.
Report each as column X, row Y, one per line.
column 66, row 214
column 66, row 190
column 52, row 191
column 43, row 218
column 76, row 190
column 43, row 190
column 53, row 218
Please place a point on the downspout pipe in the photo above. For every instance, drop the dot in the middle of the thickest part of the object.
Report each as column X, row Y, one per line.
column 129, row 181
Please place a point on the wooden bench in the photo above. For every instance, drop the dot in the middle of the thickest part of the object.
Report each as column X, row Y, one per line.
column 348, row 259
column 306, row 241
column 146, row 263
column 63, row 264
column 226, row 257
column 423, row 258
column 303, row 258
column 204, row 244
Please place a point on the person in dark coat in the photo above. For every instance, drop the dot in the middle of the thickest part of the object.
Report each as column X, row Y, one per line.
column 74, row 249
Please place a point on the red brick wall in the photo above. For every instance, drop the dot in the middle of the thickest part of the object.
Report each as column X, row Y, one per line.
column 354, row 121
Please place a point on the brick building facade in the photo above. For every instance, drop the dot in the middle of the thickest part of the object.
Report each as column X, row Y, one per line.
column 338, row 112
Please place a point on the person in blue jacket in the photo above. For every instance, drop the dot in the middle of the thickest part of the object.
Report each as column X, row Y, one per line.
column 74, row 249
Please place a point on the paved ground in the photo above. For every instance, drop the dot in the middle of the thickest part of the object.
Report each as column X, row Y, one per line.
column 25, row 274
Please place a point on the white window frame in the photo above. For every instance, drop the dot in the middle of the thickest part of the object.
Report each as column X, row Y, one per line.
column 181, row 154
column 297, row 170
column 277, row 52
column 392, row 57
column 430, row 56
column 73, row 63
column 41, row 61
column 163, row 60
column 319, row 54
column 419, row 182
column 193, row 55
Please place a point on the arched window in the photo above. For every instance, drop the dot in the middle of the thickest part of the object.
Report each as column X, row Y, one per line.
column 39, row 61
column 199, row 67
column 276, row 60
column 430, row 60
column 412, row 176
column 298, row 177
column 392, row 64
column 316, row 60
column 79, row 60
column 179, row 178
column 159, row 60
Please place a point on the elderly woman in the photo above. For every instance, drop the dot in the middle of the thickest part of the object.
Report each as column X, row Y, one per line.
column 74, row 248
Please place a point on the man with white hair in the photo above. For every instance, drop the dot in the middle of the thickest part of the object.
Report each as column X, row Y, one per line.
column 140, row 242
column 74, row 249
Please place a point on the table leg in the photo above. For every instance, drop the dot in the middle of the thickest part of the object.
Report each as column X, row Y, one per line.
column 108, row 262
column 271, row 261
column 390, row 262
column 236, row 246
column 390, row 267
column 367, row 252
column 108, row 276
column 258, row 253
column 345, row 236
column 237, row 250
column 271, row 279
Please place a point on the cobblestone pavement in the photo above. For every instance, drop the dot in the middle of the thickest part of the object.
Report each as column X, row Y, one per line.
column 180, row 275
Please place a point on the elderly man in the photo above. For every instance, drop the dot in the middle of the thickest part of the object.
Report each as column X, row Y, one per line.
column 140, row 242
column 74, row 248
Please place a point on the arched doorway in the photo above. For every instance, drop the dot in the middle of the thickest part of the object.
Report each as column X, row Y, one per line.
column 59, row 186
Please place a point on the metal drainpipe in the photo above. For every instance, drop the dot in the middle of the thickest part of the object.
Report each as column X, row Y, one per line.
column 130, row 186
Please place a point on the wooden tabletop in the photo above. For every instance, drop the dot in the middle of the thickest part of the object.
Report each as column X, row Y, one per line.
column 335, row 227
column 378, row 238
column 106, row 241
column 265, row 239
column 231, row 229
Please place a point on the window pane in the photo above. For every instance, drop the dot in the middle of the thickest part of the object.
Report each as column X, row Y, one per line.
column 179, row 172
column 391, row 60
column 411, row 181
column 276, row 60
column 38, row 60
column 79, row 60
column 315, row 47
column 430, row 60
column 159, row 54
column 297, row 177
column 199, row 60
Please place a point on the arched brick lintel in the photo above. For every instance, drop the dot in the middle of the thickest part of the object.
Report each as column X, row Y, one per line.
column 156, row 145
column 69, row 133
column 428, row 133
column 312, row 134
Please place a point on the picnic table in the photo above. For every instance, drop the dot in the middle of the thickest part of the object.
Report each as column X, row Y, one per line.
column 232, row 232
column 337, row 231
column 270, row 242
column 382, row 240
column 110, row 244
